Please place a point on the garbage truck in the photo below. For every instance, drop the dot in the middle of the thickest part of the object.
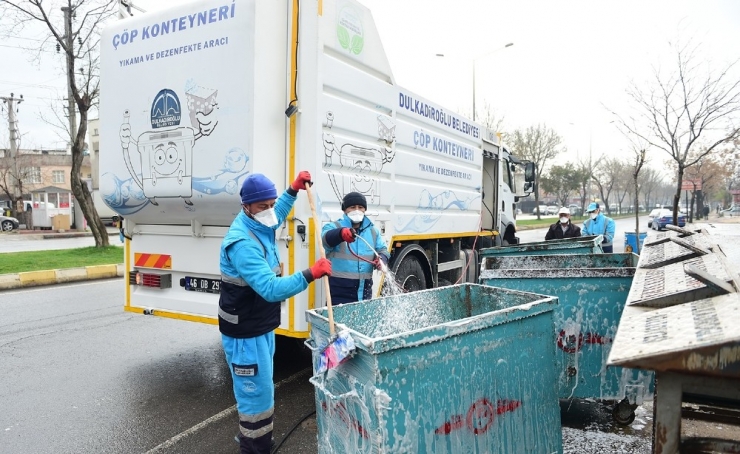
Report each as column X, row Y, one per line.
column 197, row 97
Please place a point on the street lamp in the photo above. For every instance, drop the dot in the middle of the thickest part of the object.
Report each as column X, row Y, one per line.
column 475, row 59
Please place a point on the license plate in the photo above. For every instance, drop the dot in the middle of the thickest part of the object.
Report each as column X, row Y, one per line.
column 202, row 284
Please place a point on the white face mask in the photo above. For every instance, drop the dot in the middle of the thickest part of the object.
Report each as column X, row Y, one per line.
column 356, row 216
column 593, row 215
column 267, row 217
column 563, row 220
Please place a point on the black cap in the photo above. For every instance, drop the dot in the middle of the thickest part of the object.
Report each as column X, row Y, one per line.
column 352, row 199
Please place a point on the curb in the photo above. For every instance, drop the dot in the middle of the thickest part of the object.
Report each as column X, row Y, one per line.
column 50, row 277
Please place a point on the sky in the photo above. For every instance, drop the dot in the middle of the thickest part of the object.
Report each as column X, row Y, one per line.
column 570, row 62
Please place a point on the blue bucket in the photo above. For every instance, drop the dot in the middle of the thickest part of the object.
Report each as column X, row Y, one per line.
column 630, row 241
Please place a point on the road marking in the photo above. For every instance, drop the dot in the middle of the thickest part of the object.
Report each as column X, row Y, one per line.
column 217, row 417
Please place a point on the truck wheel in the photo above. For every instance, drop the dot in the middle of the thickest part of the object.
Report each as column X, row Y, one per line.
column 410, row 275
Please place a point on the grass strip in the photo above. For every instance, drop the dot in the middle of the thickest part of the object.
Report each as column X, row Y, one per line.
column 18, row 262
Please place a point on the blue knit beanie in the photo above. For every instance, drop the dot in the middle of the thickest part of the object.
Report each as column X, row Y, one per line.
column 257, row 188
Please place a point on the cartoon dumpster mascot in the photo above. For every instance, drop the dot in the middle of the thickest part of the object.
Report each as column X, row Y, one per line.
column 166, row 152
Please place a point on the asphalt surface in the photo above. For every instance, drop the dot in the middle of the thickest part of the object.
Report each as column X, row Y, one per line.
column 79, row 375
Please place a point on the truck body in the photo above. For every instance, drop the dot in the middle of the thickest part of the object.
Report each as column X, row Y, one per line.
column 197, row 97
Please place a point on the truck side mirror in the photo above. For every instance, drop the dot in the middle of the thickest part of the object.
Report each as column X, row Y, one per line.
column 529, row 169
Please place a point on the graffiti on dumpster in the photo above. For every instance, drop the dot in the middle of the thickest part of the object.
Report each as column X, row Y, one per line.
column 570, row 343
column 340, row 411
column 479, row 417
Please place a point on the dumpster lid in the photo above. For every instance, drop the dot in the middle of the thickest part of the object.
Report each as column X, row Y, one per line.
column 699, row 336
column 671, row 284
column 674, row 250
column 566, row 264
column 557, row 273
column 565, row 243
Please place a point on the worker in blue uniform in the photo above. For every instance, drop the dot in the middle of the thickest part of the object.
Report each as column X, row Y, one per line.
column 252, row 288
column 599, row 224
column 353, row 261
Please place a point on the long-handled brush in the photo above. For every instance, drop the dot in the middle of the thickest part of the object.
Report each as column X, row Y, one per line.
column 339, row 346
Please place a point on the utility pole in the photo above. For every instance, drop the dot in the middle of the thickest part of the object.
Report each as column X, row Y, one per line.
column 13, row 129
column 69, row 53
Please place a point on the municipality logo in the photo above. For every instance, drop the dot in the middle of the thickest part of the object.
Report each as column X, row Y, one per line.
column 166, row 109
column 349, row 30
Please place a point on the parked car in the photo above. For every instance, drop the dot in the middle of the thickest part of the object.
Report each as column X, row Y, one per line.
column 665, row 217
column 543, row 210
column 575, row 210
column 552, row 209
column 7, row 223
column 732, row 211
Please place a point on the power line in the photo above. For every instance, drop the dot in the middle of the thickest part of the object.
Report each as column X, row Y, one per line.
column 21, row 84
column 21, row 48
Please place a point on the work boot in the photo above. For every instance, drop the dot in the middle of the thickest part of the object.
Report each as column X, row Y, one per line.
column 272, row 441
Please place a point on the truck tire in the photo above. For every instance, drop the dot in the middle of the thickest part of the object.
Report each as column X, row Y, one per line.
column 410, row 275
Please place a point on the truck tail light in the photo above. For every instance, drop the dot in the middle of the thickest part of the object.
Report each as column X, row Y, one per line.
column 153, row 280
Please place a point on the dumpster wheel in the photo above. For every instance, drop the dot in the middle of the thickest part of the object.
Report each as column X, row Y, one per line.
column 623, row 412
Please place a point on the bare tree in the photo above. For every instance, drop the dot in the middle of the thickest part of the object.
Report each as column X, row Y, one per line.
column 649, row 182
column 623, row 184
column 559, row 181
column 731, row 161
column 537, row 144
column 709, row 172
column 584, row 172
column 491, row 119
column 677, row 110
column 14, row 173
column 635, row 166
column 606, row 176
column 75, row 28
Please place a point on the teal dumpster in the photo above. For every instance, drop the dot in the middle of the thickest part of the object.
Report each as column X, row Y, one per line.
column 592, row 290
column 458, row 369
column 580, row 245
column 630, row 241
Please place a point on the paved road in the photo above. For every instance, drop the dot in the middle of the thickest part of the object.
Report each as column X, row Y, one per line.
column 79, row 375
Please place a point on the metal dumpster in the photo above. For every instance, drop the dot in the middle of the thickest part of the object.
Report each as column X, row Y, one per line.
column 459, row 369
column 581, row 245
column 592, row 290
